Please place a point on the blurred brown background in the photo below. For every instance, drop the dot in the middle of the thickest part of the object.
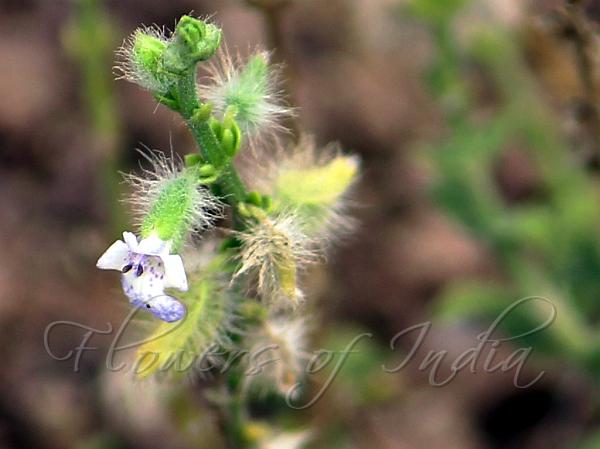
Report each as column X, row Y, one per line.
column 355, row 70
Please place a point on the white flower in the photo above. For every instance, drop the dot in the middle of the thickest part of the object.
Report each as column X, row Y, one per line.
column 148, row 269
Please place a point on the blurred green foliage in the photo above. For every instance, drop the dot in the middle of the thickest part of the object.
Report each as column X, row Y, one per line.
column 89, row 39
column 360, row 380
column 547, row 244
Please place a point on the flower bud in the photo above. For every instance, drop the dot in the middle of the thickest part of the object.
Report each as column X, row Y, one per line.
column 319, row 186
column 169, row 215
column 171, row 202
column 313, row 185
column 247, row 89
column 147, row 51
column 273, row 250
column 194, row 40
column 228, row 134
column 140, row 60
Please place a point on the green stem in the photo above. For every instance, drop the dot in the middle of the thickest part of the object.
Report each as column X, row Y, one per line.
column 235, row 426
column 229, row 186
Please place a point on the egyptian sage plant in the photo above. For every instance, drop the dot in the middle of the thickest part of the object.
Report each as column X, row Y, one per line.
column 284, row 207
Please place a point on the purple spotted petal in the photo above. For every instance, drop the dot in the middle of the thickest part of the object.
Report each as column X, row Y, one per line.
column 166, row 308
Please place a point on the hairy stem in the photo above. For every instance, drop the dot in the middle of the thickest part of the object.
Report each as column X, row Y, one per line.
column 230, row 187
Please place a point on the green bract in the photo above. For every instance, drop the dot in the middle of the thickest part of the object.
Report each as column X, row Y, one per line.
column 314, row 192
column 316, row 186
column 147, row 51
column 247, row 92
column 140, row 60
column 172, row 214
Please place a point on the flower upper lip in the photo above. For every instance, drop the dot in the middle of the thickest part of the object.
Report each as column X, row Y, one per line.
column 119, row 253
column 149, row 246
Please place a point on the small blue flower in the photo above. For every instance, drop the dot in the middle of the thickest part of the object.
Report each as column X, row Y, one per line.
column 148, row 269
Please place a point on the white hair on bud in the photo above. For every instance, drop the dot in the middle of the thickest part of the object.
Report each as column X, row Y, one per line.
column 128, row 69
column 304, row 155
column 274, row 250
column 264, row 105
column 147, row 187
